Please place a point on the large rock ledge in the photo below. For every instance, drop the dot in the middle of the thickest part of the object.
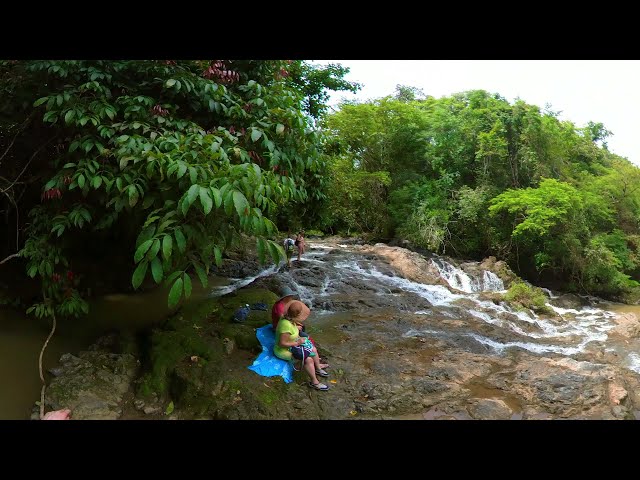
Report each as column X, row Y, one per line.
column 92, row 385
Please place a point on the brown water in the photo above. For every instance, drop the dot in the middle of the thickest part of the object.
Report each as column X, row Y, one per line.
column 22, row 337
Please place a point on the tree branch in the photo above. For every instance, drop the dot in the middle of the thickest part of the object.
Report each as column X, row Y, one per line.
column 15, row 205
column 9, row 147
column 27, row 165
column 10, row 257
column 16, row 135
column 44, row 385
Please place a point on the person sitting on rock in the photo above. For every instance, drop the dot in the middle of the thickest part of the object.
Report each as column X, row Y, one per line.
column 289, row 344
column 280, row 309
column 281, row 305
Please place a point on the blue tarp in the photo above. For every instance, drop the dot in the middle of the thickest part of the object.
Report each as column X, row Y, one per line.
column 267, row 364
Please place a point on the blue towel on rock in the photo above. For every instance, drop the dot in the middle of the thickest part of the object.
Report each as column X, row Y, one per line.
column 267, row 364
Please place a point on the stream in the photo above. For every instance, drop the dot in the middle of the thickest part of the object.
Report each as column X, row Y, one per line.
column 417, row 337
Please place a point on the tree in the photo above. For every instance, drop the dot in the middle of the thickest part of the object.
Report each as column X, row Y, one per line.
column 167, row 162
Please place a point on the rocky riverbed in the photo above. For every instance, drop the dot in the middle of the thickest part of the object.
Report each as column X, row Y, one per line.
column 407, row 336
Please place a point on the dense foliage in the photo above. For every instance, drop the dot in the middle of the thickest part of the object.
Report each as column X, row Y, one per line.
column 164, row 163
column 474, row 175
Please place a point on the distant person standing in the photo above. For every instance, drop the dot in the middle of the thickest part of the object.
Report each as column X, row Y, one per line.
column 289, row 244
column 300, row 243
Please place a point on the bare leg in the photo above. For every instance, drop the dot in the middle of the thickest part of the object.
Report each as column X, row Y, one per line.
column 316, row 360
column 311, row 370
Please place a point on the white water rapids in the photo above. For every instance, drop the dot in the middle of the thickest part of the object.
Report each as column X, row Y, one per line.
column 570, row 333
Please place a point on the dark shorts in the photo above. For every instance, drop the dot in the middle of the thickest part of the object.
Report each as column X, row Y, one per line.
column 300, row 353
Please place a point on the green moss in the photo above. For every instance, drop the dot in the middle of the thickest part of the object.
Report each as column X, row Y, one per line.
column 244, row 336
column 269, row 397
column 197, row 330
column 168, row 348
column 523, row 296
column 230, row 303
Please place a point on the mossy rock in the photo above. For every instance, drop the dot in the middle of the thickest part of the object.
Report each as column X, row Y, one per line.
column 168, row 349
column 230, row 303
column 523, row 296
column 189, row 384
column 244, row 336
column 505, row 273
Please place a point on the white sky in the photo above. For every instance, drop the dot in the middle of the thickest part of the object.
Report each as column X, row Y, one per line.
column 606, row 91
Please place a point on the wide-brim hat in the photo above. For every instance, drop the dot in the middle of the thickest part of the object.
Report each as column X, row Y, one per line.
column 297, row 311
column 287, row 292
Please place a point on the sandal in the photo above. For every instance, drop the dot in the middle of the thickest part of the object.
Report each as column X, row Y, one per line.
column 319, row 386
column 322, row 373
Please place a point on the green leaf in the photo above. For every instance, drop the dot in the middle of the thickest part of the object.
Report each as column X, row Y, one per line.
column 40, row 101
column 156, row 269
column 192, row 193
column 81, row 180
column 133, row 195
column 187, row 285
column 279, row 128
column 261, row 249
column 240, row 202
column 145, row 235
column 205, row 200
column 175, row 293
column 97, row 181
column 255, row 134
column 169, row 409
column 167, row 246
column 69, row 116
column 228, row 202
column 148, row 201
column 201, row 274
column 172, row 277
column 193, row 175
column 217, row 197
column 180, row 241
column 142, row 249
column 185, row 206
column 170, row 83
column 218, row 254
column 274, row 252
column 139, row 273
column 155, row 248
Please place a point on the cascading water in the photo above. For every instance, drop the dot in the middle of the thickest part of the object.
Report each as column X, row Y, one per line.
column 460, row 280
column 571, row 334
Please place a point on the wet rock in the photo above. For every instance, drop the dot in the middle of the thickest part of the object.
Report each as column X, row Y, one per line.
column 56, row 371
column 229, row 345
column 92, row 384
column 617, row 393
column 628, row 325
column 149, row 410
column 569, row 300
column 425, row 385
column 620, row 412
column 490, row 409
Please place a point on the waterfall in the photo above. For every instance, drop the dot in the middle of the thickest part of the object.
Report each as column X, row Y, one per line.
column 460, row 280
